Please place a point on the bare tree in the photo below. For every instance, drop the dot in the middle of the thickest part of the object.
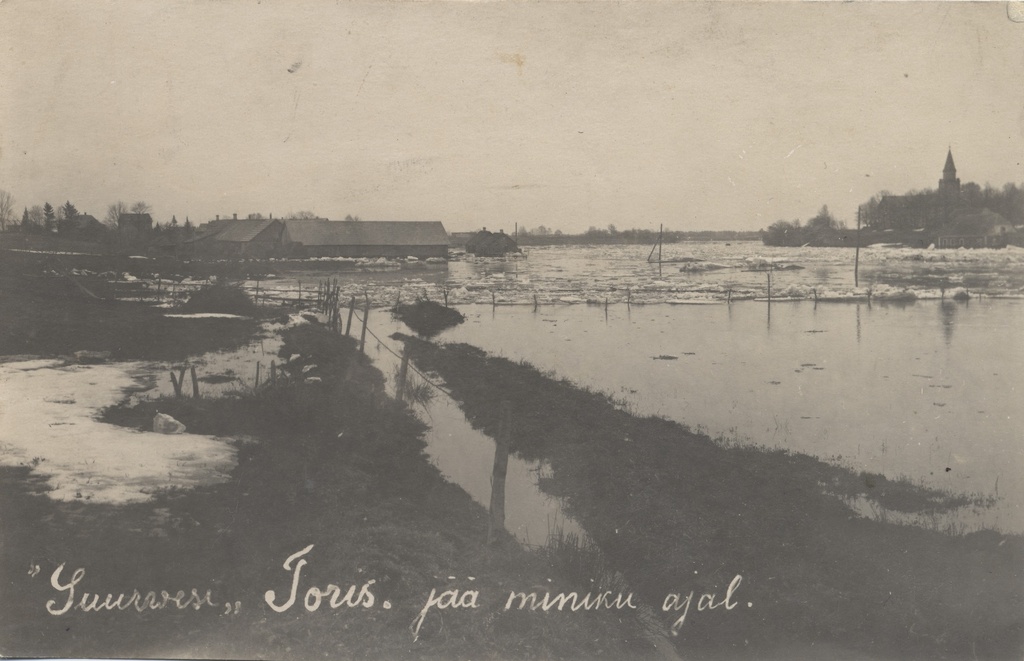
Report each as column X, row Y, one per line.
column 6, row 209
column 114, row 212
column 141, row 207
column 301, row 215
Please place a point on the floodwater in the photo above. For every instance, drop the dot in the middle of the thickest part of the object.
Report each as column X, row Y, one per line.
column 913, row 373
column 703, row 273
column 928, row 390
column 899, row 375
column 465, row 455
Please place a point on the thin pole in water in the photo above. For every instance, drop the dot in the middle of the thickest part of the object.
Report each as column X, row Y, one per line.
column 661, row 233
column 856, row 255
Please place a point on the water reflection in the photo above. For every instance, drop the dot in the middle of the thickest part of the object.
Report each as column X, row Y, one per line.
column 908, row 405
column 467, row 457
column 947, row 314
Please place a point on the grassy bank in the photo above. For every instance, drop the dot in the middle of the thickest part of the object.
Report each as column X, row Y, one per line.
column 331, row 462
column 677, row 512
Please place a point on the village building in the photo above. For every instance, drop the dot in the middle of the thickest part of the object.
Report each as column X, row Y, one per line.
column 976, row 229
column 83, row 226
column 134, row 227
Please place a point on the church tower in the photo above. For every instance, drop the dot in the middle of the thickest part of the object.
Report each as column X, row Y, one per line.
column 949, row 185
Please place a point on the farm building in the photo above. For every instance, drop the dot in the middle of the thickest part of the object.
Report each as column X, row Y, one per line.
column 346, row 238
column 240, row 238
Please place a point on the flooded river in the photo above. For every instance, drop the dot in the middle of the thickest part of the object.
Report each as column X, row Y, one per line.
column 919, row 380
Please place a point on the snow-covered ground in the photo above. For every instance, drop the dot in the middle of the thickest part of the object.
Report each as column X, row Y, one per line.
column 47, row 422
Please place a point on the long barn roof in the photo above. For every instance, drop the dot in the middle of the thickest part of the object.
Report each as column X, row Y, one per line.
column 366, row 233
column 240, row 231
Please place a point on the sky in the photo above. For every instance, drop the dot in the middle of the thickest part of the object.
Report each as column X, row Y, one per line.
column 695, row 115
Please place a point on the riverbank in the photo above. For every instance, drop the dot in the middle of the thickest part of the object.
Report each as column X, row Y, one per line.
column 330, row 473
column 675, row 511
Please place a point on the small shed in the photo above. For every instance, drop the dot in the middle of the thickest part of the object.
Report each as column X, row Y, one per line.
column 364, row 238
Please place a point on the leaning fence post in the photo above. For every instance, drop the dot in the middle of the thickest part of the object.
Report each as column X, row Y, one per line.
column 496, row 522
column 177, row 386
column 366, row 317
column 351, row 310
column 273, row 373
column 403, row 375
column 257, row 387
column 195, row 382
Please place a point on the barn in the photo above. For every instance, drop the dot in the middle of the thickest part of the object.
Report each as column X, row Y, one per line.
column 364, row 238
column 241, row 238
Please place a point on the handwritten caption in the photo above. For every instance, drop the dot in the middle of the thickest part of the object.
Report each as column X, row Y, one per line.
column 361, row 596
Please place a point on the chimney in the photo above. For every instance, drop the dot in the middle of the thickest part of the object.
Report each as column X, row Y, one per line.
column 235, row 216
column 218, row 216
column 271, row 216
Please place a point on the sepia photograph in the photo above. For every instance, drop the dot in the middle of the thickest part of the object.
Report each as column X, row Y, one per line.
column 532, row 330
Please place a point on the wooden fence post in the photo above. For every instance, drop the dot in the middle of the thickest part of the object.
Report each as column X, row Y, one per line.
column 257, row 387
column 195, row 382
column 403, row 375
column 273, row 373
column 351, row 310
column 366, row 318
column 496, row 522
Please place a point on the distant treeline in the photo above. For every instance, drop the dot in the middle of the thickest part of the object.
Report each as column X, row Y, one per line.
column 822, row 230
column 542, row 237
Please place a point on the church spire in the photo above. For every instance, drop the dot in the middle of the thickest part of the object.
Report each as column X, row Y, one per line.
column 950, row 170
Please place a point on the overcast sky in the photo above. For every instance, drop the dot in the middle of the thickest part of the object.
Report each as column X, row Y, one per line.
column 570, row 115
